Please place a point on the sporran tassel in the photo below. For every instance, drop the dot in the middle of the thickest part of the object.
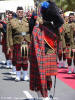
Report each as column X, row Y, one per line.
column 24, row 50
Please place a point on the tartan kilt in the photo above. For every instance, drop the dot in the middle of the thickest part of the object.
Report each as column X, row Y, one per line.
column 4, row 45
column 4, row 48
column 64, row 56
column 40, row 63
column 51, row 64
column 17, row 57
column 67, row 52
column 60, row 55
column 36, row 74
column 74, row 61
column 60, row 51
column 8, row 56
column 50, row 68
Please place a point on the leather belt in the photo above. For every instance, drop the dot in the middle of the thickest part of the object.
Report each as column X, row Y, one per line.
column 19, row 34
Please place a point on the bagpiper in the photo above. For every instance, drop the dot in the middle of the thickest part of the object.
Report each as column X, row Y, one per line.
column 67, row 38
column 43, row 49
column 8, row 56
column 18, row 43
column 3, row 25
column 72, row 25
column 8, row 51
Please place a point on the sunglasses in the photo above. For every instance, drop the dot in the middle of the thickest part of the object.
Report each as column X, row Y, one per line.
column 20, row 11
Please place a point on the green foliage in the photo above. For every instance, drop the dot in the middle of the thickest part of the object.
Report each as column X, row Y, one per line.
column 64, row 4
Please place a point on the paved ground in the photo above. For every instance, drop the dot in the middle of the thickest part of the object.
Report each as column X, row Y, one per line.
column 11, row 90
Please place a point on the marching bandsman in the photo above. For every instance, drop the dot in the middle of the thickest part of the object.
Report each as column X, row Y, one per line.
column 4, row 35
column 18, row 43
column 67, row 38
column 72, row 25
column 43, row 50
column 4, row 38
column 9, row 60
column 62, row 44
column 60, row 53
column 3, row 25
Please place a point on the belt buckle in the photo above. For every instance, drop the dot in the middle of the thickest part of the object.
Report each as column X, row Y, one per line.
column 23, row 43
column 23, row 33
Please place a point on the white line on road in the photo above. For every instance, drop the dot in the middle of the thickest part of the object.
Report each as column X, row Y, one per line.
column 28, row 95
column 11, row 98
column 55, row 98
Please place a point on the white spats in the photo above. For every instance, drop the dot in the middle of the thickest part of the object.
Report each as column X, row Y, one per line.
column 18, row 73
column 25, row 76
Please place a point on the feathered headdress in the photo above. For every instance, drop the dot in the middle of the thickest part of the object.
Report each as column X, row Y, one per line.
column 45, row 5
column 44, row 9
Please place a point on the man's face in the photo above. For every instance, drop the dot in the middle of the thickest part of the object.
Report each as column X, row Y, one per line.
column 74, row 17
column 10, row 16
column 20, row 13
column 71, row 17
column 62, row 15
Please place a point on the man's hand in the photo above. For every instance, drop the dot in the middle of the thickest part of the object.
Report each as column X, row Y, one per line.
column 74, row 29
column 10, row 52
column 73, row 50
column 1, row 26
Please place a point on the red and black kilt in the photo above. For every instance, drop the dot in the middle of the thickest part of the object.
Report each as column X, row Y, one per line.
column 51, row 64
column 38, row 80
column 68, row 55
column 8, row 56
column 4, row 48
column 17, row 57
column 67, row 51
column 41, row 65
column 50, row 68
column 60, row 54
column 4, row 45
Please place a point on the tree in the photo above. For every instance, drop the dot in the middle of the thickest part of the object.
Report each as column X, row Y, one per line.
column 63, row 4
column 69, row 4
column 66, row 4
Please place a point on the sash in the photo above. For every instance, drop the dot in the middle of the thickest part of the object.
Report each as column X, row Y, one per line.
column 49, row 37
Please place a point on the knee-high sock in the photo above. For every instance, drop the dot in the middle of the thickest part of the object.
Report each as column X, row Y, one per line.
column 18, row 74
column 65, row 63
column 74, row 65
column 64, row 56
column 39, row 96
column 60, row 59
column 69, row 61
column 60, row 56
column 25, row 75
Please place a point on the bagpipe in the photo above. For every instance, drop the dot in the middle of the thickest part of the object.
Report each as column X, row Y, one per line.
column 50, row 13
